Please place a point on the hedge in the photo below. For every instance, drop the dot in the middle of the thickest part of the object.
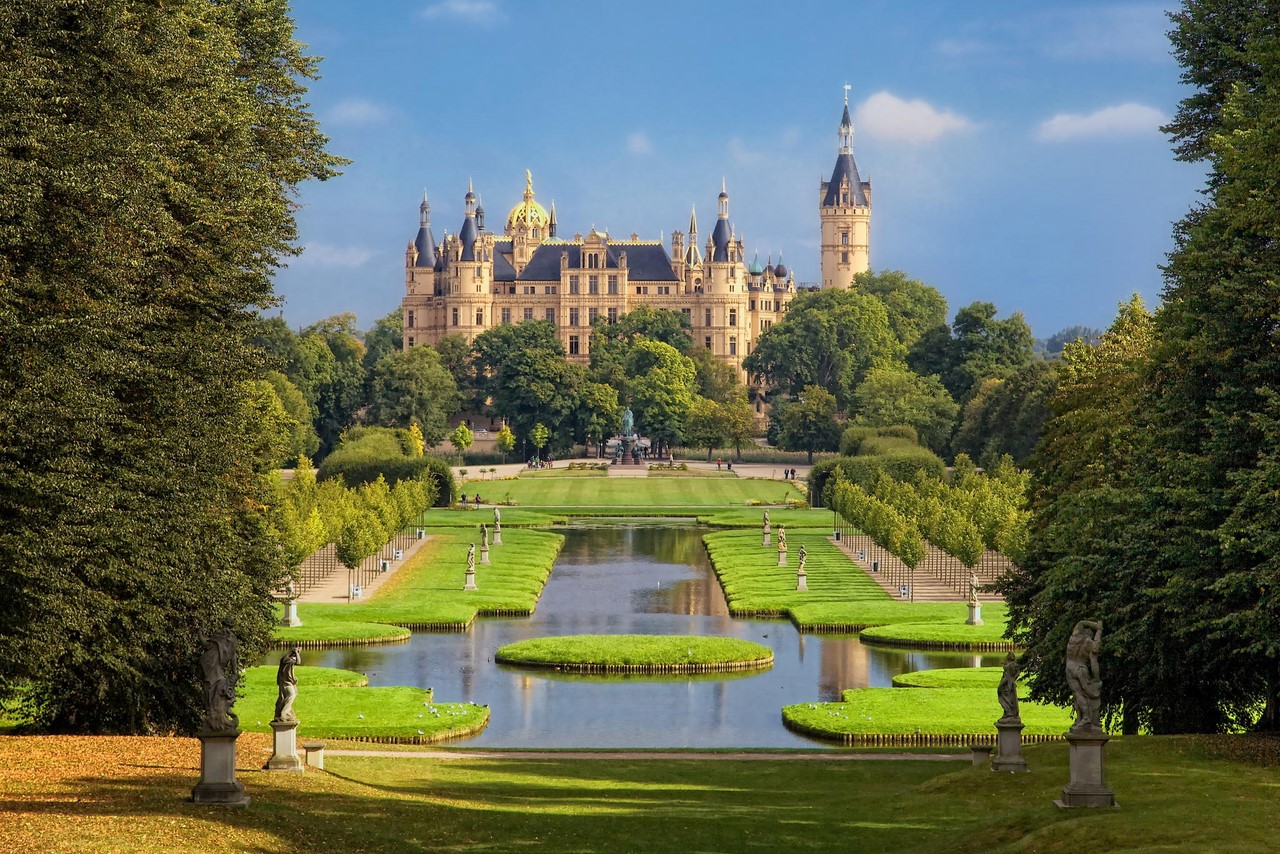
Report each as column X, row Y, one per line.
column 370, row 452
column 901, row 464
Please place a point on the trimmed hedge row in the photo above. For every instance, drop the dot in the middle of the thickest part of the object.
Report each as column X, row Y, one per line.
column 374, row 451
column 901, row 464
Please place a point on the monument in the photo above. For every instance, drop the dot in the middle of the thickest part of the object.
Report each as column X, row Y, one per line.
column 471, row 569
column 802, row 578
column 218, row 783
column 290, row 606
column 1009, row 728
column 497, row 526
column 975, row 607
column 782, row 546
column 1086, row 740
column 284, row 726
column 484, row 543
column 768, row 537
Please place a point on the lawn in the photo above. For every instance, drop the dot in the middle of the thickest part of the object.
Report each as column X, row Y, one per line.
column 1177, row 794
column 426, row 593
column 951, row 633
column 637, row 653
column 650, row 494
column 753, row 517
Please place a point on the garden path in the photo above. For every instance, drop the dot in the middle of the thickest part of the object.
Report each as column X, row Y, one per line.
column 334, row 588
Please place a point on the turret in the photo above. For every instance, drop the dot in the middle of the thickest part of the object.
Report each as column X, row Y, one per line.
column 844, row 209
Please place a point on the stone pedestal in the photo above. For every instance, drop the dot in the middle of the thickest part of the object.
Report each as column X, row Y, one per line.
column 290, row 615
column 471, row 580
column 497, row 538
column 484, row 553
column 975, row 614
column 218, row 783
column 782, row 558
column 420, row 534
column 802, row 580
column 1088, row 785
column 284, row 755
column 768, row 539
column 1009, row 747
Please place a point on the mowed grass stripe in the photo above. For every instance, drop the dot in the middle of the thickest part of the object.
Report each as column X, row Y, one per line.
column 639, row 493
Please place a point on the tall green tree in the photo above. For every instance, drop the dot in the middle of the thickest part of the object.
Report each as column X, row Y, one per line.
column 913, row 306
column 611, row 343
column 976, row 346
column 706, row 425
column 892, row 394
column 809, row 423
column 411, row 386
column 340, row 390
column 148, row 157
column 661, row 390
column 526, row 377
column 385, row 336
column 1008, row 416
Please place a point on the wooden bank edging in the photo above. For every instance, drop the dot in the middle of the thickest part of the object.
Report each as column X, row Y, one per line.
column 430, row 738
column 918, row 739
column 678, row 667
column 942, row 646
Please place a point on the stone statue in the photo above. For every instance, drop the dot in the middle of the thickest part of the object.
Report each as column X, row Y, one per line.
column 804, row 555
column 973, row 589
column 471, row 558
column 217, row 660
column 290, row 592
column 782, row 538
column 497, row 518
column 288, row 684
column 628, row 422
column 484, row 534
column 1083, row 675
column 1007, row 692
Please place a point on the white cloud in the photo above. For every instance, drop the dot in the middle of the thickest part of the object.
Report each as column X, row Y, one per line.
column 482, row 12
column 1122, row 120
column 639, row 143
column 888, row 117
column 357, row 111
column 327, row 255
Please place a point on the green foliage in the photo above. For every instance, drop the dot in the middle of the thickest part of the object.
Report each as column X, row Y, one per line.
column 303, row 441
column 1007, row 416
column 892, row 395
column 461, row 438
column 913, row 306
column 611, row 343
column 505, row 442
column 976, row 346
column 871, row 451
column 809, row 423
column 598, row 412
column 714, row 378
column 412, row 387
column 386, row 336
column 146, row 193
column 661, row 652
column 538, row 436
column 455, row 356
column 522, row 369
column 660, row 385
column 707, row 425
column 340, row 386
column 372, row 452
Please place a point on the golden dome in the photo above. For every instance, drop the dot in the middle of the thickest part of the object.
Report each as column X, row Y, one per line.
column 527, row 214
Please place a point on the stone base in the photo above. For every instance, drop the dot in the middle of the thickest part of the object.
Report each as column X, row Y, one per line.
column 291, row 615
column 802, row 581
column 471, row 581
column 1088, row 785
column 284, row 756
column 975, row 614
column 497, row 538
column 768, row 539
column 1009, row 748
column 484, row 556
column 218, row 783
column 782, row 558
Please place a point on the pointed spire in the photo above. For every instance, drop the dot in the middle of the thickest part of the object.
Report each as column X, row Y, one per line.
column 424, row 210
column 551, row 226
column 845, row 132
column 693, row 222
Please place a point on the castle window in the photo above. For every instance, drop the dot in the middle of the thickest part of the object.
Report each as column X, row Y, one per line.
column 549, row 289
column 593, row 284
column 593, row 314
column 753, row 305
column 455, row 317
column 528, row 314
column 733, row 345
column 707, row 316
column 573, row 284
column 479, row 317
column 411, row 320
column 844, row 238
column 637, row 289
column 844, row 198
column 844, row 257
column 410, row 340
column 613, row 315
column 573, row 317
column 478, row 287
column 708, row 342
column 511, row 289
column 613, row 284
column 733, row 317
column 687, row 312
column 573, row 345
column 537, row 233
column 506, row 315
column 593, row 262
column 551, row 316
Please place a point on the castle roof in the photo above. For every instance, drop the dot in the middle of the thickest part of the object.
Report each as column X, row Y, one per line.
column 646, row 262
column 845, row 169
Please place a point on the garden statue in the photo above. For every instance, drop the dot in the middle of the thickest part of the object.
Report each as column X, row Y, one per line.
column 628, row 422
column 766, row 522
column 497, row 518
column 973, row 589
column 804, row 555
column 471, row 558
column 484, row 534
column 288, row 684
column 1083, row 675
column 217, row 660
column 782, row 538
column 1007, row 692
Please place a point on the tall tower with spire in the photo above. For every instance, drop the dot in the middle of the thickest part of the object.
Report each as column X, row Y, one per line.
column 844, row 210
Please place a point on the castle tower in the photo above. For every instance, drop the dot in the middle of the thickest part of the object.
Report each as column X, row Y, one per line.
column 527, row 226
column 844, row 209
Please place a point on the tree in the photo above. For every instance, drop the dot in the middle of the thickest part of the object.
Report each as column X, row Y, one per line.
column 740, row 421
column 505, row 442
column 913, row 306
column 706, row 425
column 611, row 343
column 892, row 394
column 661, row 389
column 714, row 378
column 303, row 441
column 455, row 355
column 526, row 377
column 1007, row 416
column 809, row 423
column 1052, row 346
column 150, row 158
column 538, row 437
column 597, row 413
column 340, row 391
column 829, row 339
column 385, row 336
column 461, row 438
column 976, row 346
column 412, row 387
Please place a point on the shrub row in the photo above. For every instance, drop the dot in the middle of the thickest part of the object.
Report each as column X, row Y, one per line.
column 366, row 453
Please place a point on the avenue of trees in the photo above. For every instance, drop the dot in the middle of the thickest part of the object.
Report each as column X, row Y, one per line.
column 148, row 159
column 1154, row 493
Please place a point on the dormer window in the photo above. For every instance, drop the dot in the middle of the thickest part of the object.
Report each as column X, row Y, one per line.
column 537, row 233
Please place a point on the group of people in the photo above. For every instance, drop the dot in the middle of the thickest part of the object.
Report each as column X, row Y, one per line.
column 728, row 463
column 537, row 463
column 788, row 474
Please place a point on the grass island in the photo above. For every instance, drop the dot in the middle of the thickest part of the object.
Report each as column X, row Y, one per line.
column 637, row 654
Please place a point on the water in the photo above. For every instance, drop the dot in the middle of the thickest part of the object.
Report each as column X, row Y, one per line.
column 634, row 578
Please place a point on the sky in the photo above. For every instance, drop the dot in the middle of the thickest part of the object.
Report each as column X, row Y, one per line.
column 1013, row 148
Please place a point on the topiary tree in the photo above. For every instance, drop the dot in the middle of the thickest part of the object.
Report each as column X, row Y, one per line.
column 461, row 438
column 505, row 442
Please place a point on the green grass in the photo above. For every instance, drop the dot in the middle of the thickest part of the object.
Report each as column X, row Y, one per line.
column 906, row 711
column 690, row 473
column 656, row 493
column 951, row 677
column 563, row 472
column 334, row 704
column 754, row 518
column 659, row 653
column 512, row 517
column 427, row 592
column 949, row 633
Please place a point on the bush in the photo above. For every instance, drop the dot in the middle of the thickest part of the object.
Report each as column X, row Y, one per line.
column 901, row 464
column 859, row 440
column 367, row 452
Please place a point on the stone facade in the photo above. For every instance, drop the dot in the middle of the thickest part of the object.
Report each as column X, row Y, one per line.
column 475, row 279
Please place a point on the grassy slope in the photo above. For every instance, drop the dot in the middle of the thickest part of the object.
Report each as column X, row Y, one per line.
column 97, row 794
column 632, row 650
column 428, row 590
column 657, row 493
column 948, row 631
column 903, row 711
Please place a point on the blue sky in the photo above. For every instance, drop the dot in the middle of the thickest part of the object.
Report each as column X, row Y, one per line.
column 1012, row 147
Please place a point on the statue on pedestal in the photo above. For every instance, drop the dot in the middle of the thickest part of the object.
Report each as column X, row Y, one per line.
column 288, row 684
column 1083, row 675
column 484, row 534
column 973, row 588
column 782, row 538
column 217, row 660
column 804, row 555
column 471, row 558
column 1007, row 691
column 628, row 423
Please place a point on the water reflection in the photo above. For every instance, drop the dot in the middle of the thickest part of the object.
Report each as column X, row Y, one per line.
column 645, row 579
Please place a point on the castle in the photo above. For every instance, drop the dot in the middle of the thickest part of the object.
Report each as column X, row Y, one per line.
column 476, row 279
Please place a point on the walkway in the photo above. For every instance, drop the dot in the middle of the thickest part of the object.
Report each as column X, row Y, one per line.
column 666, row 756
column 334, row 588
column 893, row 573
